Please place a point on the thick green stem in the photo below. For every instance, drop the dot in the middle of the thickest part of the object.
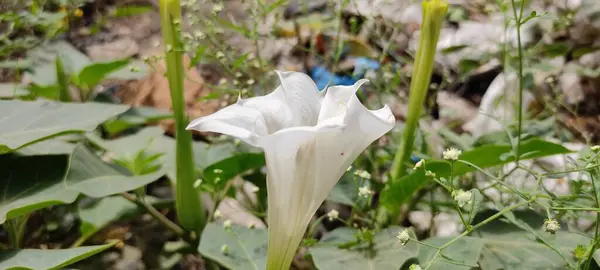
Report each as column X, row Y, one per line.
column 187, row 201
column 518, row 16
column 433, row 17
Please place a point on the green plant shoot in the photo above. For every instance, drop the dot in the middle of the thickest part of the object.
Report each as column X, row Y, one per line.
column 187, row 200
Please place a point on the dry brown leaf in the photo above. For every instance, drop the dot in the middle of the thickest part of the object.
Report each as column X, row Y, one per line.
column 153, row 91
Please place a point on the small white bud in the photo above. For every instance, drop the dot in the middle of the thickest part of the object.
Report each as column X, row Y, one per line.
column 419, row 164
column 362, row 174
column 217, row 179
column 225, row 249
column 430, row 174
column 222, row 81
column 220, row 55
column 333, row 214
column 217, row 8
column 169, row 47
column 462, row 197
column 251, row 226
column 238, row 74
column 403, row 237
column 254, row 189
column 451, row 154
column 551, row 226
column 217, row 171
column 595, row 148
column 227, row 224
column 364, row 191
column 415, row 267
column 250, row 82
column 197, row 183
column 218, row 214
column 349, row 168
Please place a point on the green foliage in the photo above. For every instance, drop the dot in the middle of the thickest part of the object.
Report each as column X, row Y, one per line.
column 29, row 122
column 47, row 259
column 483, row 157
column 340, row 250
column 246, row 249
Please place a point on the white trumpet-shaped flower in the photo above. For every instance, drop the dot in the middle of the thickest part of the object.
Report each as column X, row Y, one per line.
column 310, row 138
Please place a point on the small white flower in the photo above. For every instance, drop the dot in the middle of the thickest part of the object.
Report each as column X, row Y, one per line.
column 219, row 55
column 451, row 154
column 217, row 8
column 222, row 81
column 362, row 174
column 430, row 174
column 238, row 74
column 364, row 191
column 595, row 148
column 218, row 214
column 227, row 224
column 333, row 214
column 218, row 171
column 419, row 164
column 250, row 82
column 197, row 183
column 415, row 267
column 254, row 189
column 349, row 168
column 403, row 237
column 225, row 249
column 462, row 197
column 551, row 226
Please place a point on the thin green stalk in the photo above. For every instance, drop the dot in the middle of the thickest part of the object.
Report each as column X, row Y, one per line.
column 596, row 230
column 62, row 80
column 433, row 16
column 520, row 67
column 187, row 201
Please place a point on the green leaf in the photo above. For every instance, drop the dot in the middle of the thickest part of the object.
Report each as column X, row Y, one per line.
column 246, row 248
column 47, row 259
column 398, row 192
column 387, row 252
column 55, row 146
column 92, row 74
column 103, row 212
column 465, row 251
column 34, row 182
column 28, row 122
column 153, row 140
column 127, row 11
column 44, row 57
column 135, row 117
column 218, row 174
column 346, row 190
column 476, row 200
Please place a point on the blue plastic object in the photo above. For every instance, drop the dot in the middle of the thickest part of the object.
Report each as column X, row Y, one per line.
column 324, row 77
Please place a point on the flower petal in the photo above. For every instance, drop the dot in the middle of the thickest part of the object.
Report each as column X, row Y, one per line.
column 245, row 123
column 337, row 98
column 301, row 96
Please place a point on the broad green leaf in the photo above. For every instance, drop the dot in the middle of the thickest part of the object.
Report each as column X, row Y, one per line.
column 135, row 117
column 476, row 200
column 153, row 140
column 47, row 259
column 400, row 191
column 465, row 251
column 55, row 146
column 27, row 122
column 520, row 250
column 387, row 252
column 218, row 174
column 96, row 216
column 34, row 182
column 92, row 74
column 246, row 248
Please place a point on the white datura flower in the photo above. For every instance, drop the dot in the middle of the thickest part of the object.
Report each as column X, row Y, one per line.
column 310, row 138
